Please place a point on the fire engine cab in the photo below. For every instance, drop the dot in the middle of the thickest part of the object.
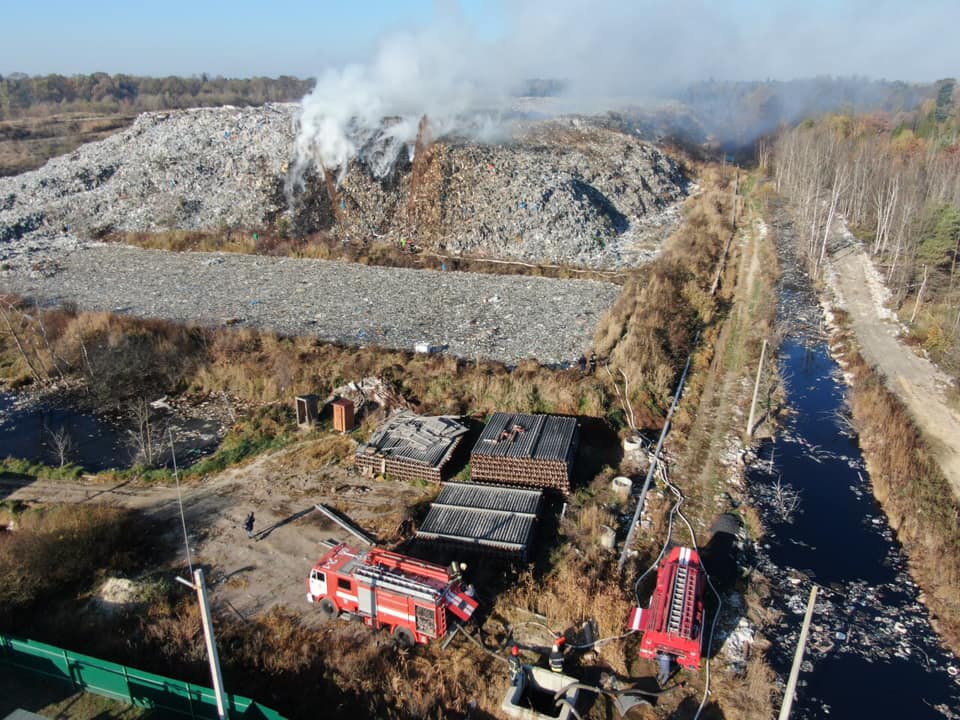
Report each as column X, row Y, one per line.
column 672, row 626
column 410, row 597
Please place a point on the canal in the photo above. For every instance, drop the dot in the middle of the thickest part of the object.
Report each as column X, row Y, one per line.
column 872, row 652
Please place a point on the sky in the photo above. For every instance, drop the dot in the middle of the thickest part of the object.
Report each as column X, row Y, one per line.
column 616, row 46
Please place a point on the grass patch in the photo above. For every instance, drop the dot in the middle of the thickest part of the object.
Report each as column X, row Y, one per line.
column 16, row 466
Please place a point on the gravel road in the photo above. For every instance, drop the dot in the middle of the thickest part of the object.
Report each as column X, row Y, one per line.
column 915, row 380
column 467, row 314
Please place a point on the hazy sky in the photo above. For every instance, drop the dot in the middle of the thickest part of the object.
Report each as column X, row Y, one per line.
column 618, row 44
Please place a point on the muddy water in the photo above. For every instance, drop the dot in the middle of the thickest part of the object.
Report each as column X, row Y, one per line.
column 97, row 441
column 872, row 652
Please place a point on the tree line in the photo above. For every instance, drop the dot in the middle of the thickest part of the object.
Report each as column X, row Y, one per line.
column 42, row 95
column 738, row 112
column 896, row 182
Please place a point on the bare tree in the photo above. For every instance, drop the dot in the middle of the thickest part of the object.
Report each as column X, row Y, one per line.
column 786, row 500
column 146, row 438
column 61, row 441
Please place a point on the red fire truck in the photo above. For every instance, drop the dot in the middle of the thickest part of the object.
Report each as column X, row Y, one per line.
column 410, row 597
column 673, row 624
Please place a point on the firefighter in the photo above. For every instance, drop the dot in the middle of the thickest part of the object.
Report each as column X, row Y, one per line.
column 248, row 525
column 516, row 668
column 582, row 364
column 556, row 655
column 593, row 363
column 664, row 661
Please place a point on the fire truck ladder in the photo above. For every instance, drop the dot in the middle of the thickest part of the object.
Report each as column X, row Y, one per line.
column 681, row 604
column 382, row 577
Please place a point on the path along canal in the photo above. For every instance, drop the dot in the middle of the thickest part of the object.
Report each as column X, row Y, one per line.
column 872, row 652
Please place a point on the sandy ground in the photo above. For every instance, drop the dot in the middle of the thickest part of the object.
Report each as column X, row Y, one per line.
column 915, row 380
column 247, row 577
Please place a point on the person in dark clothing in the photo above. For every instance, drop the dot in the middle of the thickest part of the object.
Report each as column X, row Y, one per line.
column 582, row 364
column 516, row 668
column 248, row 525
column 593, row 363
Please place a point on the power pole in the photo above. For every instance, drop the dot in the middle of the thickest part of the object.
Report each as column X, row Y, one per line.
column 200, row 586
column 756, row 389
column 797, row 658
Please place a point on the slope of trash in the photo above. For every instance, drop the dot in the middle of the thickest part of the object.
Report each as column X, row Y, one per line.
column 567, row 190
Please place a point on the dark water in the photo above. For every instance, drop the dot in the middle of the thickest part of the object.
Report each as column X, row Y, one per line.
column 872, row 652
column 98, row 442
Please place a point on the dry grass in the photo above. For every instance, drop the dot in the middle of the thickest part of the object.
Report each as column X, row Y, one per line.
column 59, row 551
column 120, row 358
column 650, row 328
column 910, row 487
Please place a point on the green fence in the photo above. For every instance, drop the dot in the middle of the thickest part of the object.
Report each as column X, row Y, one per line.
column 126, row 684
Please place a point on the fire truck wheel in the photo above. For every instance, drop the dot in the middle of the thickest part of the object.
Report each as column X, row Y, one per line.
column 328, row 609
column 404, row 637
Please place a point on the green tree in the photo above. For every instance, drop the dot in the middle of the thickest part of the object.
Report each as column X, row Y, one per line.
column 939, row 243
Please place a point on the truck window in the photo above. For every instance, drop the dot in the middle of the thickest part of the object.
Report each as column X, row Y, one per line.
column 343, row 584
column 316, row 575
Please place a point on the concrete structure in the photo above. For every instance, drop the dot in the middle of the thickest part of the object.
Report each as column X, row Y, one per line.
column 526, row 450
column 535, row 690
column 411, row 447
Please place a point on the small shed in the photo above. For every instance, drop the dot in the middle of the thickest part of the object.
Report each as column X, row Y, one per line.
column 493, row 519
column 342, row 414
column 526, row 450
column 411, row 447
column 306, row 410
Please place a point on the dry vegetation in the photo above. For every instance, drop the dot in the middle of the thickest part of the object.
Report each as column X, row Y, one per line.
column 344, row 668
column 650, row 329
column 910, row 487
column 323, row 246
column 27, row 143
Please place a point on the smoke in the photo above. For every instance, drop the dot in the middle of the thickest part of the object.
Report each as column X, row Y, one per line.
column 608, row 54
column 372, row 111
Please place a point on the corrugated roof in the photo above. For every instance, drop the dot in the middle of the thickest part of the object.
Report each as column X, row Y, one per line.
column 495, row 517
column 487, row 497
column 517, row 435
column 414, row 437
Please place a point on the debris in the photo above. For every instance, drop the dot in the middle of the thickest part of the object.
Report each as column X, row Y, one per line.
column 411, row 447
column 345, row 524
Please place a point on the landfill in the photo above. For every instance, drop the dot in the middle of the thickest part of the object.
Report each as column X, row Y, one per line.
column 566, row 191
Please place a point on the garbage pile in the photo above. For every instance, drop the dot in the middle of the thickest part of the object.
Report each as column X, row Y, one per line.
column 209, row 168
column 565, row 191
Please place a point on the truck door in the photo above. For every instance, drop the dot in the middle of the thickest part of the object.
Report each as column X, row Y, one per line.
column 367, row 601
column 318, row 583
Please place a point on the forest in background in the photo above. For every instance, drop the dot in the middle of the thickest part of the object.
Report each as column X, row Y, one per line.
column 896, row 181
column 25, row 96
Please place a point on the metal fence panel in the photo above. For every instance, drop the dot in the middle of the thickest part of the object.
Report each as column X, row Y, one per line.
column 126, row 684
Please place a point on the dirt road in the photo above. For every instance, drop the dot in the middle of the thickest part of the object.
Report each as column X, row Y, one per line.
column 915, row 380
column 248, row 577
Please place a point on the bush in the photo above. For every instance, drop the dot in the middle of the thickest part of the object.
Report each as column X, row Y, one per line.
column 59, row 552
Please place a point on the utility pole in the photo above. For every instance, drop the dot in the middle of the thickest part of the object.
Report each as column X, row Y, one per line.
column 214, row 657
column 797, row 658
column 756, row 389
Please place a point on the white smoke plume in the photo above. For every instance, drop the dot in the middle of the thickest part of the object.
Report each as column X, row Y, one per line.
column 372, row 111
column 604, row 51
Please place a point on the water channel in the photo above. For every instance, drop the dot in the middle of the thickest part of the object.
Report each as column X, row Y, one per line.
column 872, row 652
